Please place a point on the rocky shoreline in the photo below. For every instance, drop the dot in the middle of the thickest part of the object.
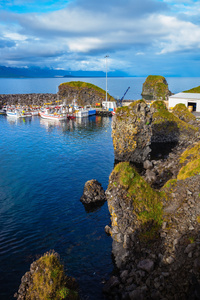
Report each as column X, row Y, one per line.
column 155, row 214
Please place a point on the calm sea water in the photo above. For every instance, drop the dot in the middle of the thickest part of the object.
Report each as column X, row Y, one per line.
column 116, row 86
column 43, row 169
column 44, row 166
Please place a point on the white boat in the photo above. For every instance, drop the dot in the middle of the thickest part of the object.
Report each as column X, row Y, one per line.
column 18, row 113
column 52, row 115
column 82, row 113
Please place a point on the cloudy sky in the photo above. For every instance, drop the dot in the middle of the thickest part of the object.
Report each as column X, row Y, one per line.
column 141, row 37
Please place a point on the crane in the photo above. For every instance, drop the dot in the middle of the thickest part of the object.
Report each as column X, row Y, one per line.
column 120, row 101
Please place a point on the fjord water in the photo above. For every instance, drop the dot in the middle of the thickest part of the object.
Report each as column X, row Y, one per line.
column 43, row 169
column 44, row 166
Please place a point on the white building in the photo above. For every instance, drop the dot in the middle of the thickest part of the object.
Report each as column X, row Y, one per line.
column 189, row 99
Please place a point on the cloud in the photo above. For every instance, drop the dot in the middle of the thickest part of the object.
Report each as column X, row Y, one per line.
column 79, row 35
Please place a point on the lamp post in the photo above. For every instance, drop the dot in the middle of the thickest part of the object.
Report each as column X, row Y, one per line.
column 106, row 75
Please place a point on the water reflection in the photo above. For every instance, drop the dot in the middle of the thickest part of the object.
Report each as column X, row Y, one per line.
column 13, row 120
column 91, row 123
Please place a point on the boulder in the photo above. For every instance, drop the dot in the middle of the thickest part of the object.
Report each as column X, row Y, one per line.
column 47, row 280
column 136, row 128
column 84, row 93
column 155, row 87
column 93, row 193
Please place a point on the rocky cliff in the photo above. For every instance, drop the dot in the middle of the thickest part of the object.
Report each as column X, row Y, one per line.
column 83, row 92
column 155, row 87
column 155, row 223
column 136, row 128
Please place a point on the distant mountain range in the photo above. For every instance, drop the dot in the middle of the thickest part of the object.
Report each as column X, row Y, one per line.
column 35, row 72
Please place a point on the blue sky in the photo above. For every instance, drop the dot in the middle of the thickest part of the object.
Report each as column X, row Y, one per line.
column 141, row 37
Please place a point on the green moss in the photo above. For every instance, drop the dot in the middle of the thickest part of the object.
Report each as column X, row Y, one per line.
column 166, row 119
column 50, row 282
column 147, row 202
column 181, row 111
column 191, row 169
column 152, row 80
column 159, row 105
column 191, row 153
column 190, row 159
column 170, row 183
column 193, row 90
column 82, row 85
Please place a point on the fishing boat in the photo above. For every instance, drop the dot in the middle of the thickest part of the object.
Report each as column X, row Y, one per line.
column 18, row 113
column 52, row 114
column 3, row 111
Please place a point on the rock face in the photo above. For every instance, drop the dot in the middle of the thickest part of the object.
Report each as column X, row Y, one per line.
column 46, row 280
column 28, row 99
column 155, row 87
column 156, row 232
column 137, row 127
column 84, row 93
column 93, row 193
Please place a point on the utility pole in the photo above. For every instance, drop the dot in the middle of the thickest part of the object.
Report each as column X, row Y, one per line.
column 106, row 76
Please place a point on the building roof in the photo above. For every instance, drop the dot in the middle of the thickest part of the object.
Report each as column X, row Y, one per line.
column 191, row 96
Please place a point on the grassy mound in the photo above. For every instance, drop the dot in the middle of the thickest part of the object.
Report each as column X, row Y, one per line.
column 49, row 281
column 146, row 201
column 191, row 162
column 193, row 90
column 84, row 85
column 181, row 111
column 166, row 119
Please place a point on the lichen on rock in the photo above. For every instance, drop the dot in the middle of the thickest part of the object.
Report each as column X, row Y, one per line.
column 93, row 193
column 136, row 127
column 155, row 87
column 84, row 93
column 47, row 280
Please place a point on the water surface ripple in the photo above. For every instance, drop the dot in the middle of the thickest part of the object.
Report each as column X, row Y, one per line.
column 44, row 166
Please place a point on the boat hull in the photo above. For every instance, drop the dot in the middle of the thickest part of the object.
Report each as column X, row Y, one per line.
column 53, row 117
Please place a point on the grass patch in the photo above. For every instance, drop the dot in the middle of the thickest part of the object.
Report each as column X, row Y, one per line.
column 147, row 202
column 193, row 90
column 82, row 85
column 181, row 111
column 49, row 280
column 191, row 160
column 191, row 169
column 170, row 183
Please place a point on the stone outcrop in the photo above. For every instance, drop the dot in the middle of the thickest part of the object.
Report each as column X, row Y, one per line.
column 136, row 128
column 155, row 87
column 156, row 231
column 93, row 193
column 83, row 92
column 28, row 99
column 46, row 280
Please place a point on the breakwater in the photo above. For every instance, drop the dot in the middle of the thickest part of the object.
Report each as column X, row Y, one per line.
column 28, row 99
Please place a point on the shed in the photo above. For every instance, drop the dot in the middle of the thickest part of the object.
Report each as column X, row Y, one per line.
column 189, row 99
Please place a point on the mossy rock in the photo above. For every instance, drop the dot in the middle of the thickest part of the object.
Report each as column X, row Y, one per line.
column 155, row 87
column 146, row 201
column 181, row 111
column 168, row 124
column 190, row 161
column 83, row 92
column 47, row 280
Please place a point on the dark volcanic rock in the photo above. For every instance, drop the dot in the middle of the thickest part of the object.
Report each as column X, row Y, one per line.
column 93, row 193
column 137, row 127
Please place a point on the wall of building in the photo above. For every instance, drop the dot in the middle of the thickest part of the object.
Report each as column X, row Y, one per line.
column 173, row 101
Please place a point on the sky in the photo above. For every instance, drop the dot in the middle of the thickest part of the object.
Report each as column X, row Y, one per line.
column 141, row 37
